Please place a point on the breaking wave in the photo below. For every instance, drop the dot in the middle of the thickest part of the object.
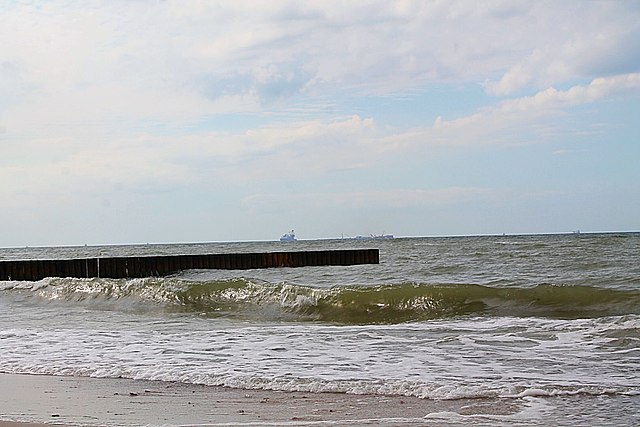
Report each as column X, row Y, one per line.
column 392, row 303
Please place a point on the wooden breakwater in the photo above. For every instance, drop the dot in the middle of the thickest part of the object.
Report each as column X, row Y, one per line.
column 162, row 265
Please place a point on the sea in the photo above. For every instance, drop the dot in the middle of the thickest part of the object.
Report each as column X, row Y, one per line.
column 548, row 324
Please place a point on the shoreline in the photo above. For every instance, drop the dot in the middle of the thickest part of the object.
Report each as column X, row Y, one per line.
column 43, row 400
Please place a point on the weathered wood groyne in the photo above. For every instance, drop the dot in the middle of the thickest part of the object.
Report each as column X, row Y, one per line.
column 162, row 265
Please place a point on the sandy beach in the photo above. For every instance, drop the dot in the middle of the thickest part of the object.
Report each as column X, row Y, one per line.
column 41, row 399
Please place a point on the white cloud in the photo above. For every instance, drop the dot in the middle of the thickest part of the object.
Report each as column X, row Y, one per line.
column 48, row 166
column 273, row 153
column 567, row 42
column 107, row 71
column 281, row 48
column 527, row 112
column 389, row 199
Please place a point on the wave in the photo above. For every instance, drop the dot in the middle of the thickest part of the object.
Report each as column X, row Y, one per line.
column 390, row 303
column 433, row 390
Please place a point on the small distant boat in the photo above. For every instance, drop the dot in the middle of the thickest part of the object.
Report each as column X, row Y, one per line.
column 288, row 237
column 382, row 236
column 373, row 237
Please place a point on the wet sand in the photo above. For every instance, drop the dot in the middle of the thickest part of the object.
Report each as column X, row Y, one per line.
column 41, row 399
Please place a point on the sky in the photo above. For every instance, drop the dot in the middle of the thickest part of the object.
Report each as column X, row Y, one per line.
column 203, row 121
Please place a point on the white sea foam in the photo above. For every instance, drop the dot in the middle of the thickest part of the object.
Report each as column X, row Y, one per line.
column 435, row 360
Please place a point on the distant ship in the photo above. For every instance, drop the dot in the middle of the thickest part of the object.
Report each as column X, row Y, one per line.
column 371, row 237
column 288, row 237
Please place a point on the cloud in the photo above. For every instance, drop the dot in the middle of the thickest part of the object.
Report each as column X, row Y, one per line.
column 275, row 152
column 389, row 199
column 599, row 40
column 599, row 88
column 43, row 167
column 105, row 72
column 528, row 111
column 282, row 49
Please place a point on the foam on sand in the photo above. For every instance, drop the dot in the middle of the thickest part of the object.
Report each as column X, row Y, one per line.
column 94, row 401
